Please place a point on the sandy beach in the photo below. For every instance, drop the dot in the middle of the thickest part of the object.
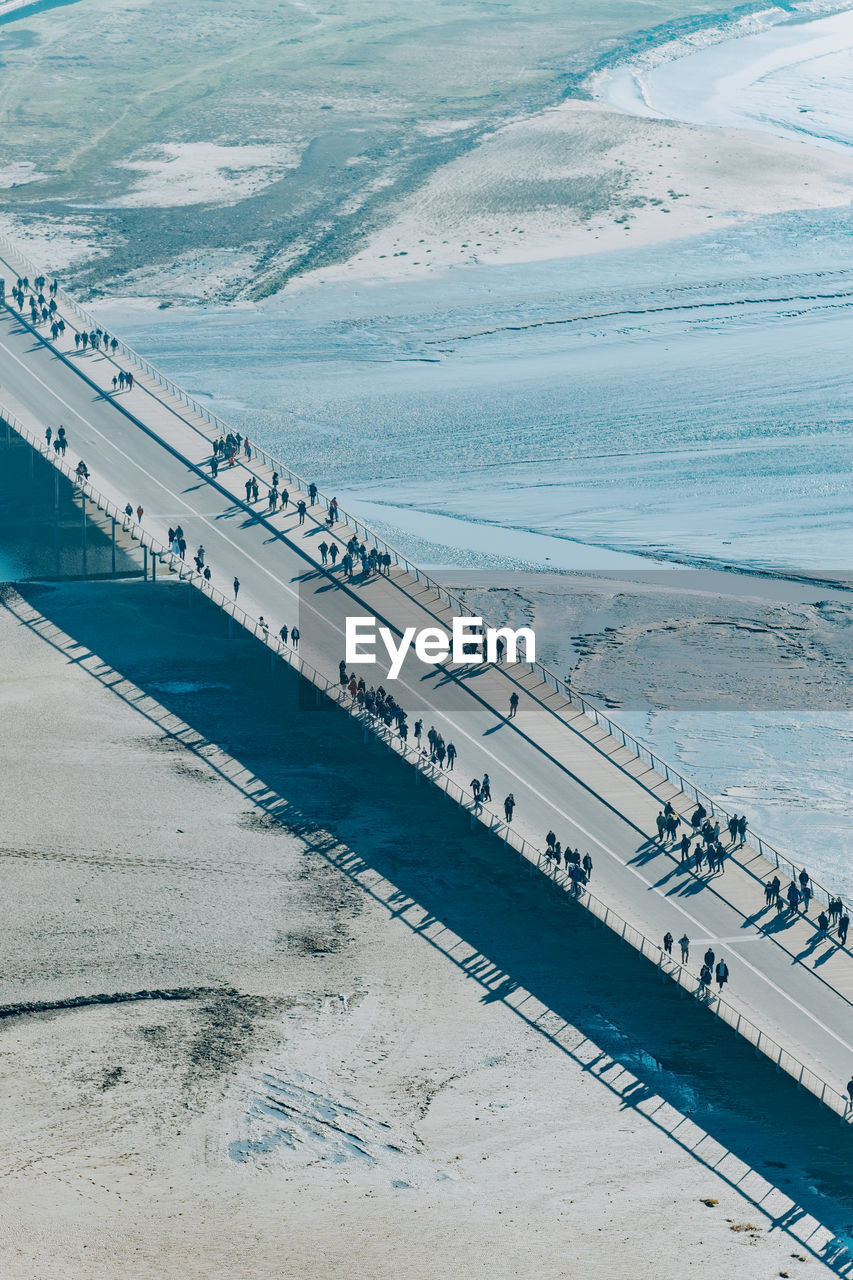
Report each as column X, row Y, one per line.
column 520, row 291
column 372, row 1067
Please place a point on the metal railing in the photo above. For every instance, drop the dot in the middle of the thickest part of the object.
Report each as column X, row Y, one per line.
column 638, row 750
column 420, row 760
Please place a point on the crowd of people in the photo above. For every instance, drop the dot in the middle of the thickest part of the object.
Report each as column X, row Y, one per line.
column 797, row 898
column 709, row 848
column 577, row 867
column 700, row 842
column 793, row 901
column 708, row 969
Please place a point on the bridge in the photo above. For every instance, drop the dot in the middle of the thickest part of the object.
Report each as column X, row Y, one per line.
column 569, row 767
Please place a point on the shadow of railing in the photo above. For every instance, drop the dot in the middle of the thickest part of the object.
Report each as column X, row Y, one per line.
column 519, row 938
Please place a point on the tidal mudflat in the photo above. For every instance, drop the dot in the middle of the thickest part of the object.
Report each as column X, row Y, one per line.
column 340, row 1031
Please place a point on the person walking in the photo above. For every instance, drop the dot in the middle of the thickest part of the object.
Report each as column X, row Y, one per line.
column 451, row 755
column 475, row 790
column 513, row 704
column 722, row 972
column 509, row 805
column 486, row 788
column 805, row 887
column 128, row 517
column 333, row 554
column 667, row 942
column 741, row 829
column 709, row 958
column 793, row 896
column 822, row 925
column 843, row 926
column 587, row 866
column 312, row 492
column 684, row 943
column 139, row 514
column 294, row 637
column 660, row 822
column 324, row 551
column 236, row 585
column 283, row 633
column 301, row 508
column 685, row 847
column 704, row 980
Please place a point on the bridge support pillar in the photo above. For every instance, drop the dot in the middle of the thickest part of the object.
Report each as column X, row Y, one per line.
column 113, row 548
column 144, row 564
column 230, row 626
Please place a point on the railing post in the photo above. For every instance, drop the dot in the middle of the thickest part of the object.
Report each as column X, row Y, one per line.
column 113, row 547
column 83, row 529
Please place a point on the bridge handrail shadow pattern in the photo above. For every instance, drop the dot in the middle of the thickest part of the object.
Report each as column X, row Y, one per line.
column 639, row 751
column 531, row 856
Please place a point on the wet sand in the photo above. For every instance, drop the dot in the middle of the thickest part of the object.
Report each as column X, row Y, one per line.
column 742, row 682
column 393, row 1054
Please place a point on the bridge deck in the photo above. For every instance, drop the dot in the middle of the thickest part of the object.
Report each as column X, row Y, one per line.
column 565, row 771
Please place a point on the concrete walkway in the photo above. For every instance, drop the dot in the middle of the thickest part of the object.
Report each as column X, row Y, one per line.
column 565, row 771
